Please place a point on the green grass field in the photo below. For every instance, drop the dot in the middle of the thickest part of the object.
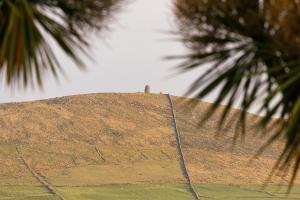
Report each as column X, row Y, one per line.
column 25, row 193
column 149, row 192
column 235, row 192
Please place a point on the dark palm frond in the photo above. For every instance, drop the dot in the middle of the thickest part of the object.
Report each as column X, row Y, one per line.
column 26, row 26
column 253, row 51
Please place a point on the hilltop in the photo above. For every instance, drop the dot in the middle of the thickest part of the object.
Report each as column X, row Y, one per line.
column 104, row 139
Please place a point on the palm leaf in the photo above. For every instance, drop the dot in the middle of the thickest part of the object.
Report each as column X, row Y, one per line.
column 254, row 50
column 27, row 25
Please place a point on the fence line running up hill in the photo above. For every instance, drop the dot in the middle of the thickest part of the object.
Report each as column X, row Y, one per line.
column 180, row 152
column 44, row 183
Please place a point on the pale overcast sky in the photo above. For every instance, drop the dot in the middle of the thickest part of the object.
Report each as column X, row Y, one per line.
column 126, row 59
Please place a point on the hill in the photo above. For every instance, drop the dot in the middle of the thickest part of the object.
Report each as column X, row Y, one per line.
column 117, row 139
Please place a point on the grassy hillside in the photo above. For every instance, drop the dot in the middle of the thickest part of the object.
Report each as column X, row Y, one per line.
column 211, row 155
column 110, row 138
column 97, row 142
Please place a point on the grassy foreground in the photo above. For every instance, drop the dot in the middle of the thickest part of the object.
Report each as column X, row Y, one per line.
column 254, row 192
column 150, row 191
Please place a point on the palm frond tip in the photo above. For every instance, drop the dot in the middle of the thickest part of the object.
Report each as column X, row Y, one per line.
column 254, row 50
column 27, row 25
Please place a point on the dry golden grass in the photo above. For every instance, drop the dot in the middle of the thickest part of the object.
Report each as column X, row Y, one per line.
column 210, row 153
column 91, row 140
column 101, row 139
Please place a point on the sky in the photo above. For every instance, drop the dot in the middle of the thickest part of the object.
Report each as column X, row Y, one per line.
column 125, row 58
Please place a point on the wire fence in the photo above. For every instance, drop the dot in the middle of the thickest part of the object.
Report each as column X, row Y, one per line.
column 180, row 152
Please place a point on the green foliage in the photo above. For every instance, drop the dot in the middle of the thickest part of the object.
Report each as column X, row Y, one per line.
column 27, row 26
column 252, row 49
